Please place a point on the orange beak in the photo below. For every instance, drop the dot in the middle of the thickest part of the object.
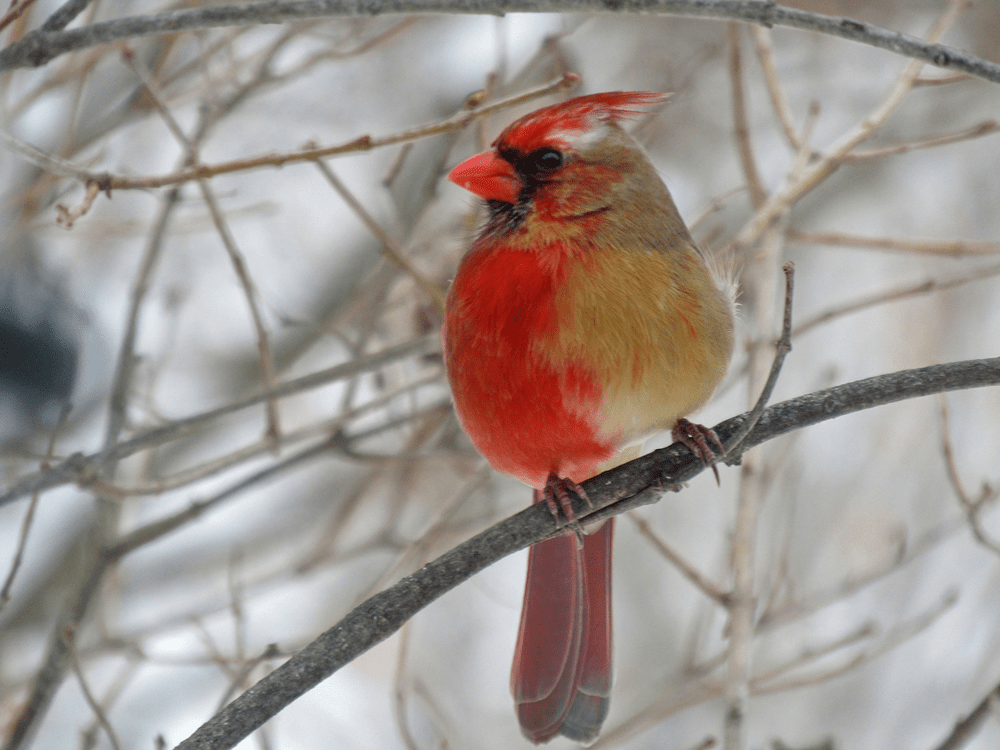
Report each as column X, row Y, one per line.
column 489, row 177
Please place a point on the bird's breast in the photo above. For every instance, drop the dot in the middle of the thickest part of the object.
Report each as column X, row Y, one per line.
column 526, row 412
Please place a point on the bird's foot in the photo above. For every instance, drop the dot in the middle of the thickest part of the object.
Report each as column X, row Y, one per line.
column 556, row 496
column 696, row 437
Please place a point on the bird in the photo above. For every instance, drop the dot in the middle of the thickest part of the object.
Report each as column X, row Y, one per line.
column 582, row 319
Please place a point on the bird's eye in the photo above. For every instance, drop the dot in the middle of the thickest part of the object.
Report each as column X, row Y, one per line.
column 545, row 160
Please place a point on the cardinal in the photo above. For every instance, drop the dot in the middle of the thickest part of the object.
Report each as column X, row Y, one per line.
column 582, row 319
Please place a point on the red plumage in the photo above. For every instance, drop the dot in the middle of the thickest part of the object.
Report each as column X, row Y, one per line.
column 500, row 308
column 582, row 319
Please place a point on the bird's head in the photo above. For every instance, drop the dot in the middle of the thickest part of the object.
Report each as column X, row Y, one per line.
column 561, row 161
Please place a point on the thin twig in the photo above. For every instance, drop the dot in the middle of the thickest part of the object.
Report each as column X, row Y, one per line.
column 159, row 101
column 973, row 507
column 741, row 130
column 987, row 127
column 966, row 728
column 827, row 162
column 160, row 528
column 760, row 282
column 392, row 248
column 783, row 346
column 107, row 181
column 416, row 555
column 122, row 383
column 666, row 705
column 268, row 372
column 812, row 655
column 716, row 204
column 67, row 216
column 49, row 162
column 704, row 585
column 157, row 529
column 236, row 608
column 399, row 690
column 930, row 247
column 260, row 447
column 17, row 7
column 29, row 515
column 942, row 80
column 765, row 54
column 891, row 640
column 88, row 696
column 80, row 468
column 797, row 610
column 128, row 671
column 804, row 155
column 336, row 54
column 894, row 295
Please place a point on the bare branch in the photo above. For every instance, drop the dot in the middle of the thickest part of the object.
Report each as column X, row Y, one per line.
column 814, row 654
column 987, row 127
column 29, row 515
column 893, row 295
column 973, row 507
column 269, row 375
column 638, row 482
column 782, row 348
column 706, row 587
column 79, row 467
column 64, row 16
column 931, row 247
column 813, row 603
column 17, row 7
column 392, row 248
column 67, row 216
column 107, row 181
column 40, row 47
column 899, row 634
column 95, row 706
column 741, row 129
column 967, row 727
column 765, row 53
column 827, row 162
column 267, row 369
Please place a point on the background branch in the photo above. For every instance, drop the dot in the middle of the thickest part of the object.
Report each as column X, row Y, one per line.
column 42, row 46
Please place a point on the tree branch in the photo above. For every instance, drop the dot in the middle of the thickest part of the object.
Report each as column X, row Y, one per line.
column 967, row 727
column 635, row 483
column 80, row 468
column 106, row 181
column 41, row 46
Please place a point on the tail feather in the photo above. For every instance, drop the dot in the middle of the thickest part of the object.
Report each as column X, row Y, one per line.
column 549, row 637
column 590, row 706
column 561, row 678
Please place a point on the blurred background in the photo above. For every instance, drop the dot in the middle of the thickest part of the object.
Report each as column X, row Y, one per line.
column 240, row 536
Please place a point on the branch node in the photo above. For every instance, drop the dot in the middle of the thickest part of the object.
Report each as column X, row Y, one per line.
column 67, row 216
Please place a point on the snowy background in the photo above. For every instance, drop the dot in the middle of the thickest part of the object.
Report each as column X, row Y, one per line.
column 878, row 622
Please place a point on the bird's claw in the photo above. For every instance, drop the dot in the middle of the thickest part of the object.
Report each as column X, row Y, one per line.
column 696, row 437
column 556, row 495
